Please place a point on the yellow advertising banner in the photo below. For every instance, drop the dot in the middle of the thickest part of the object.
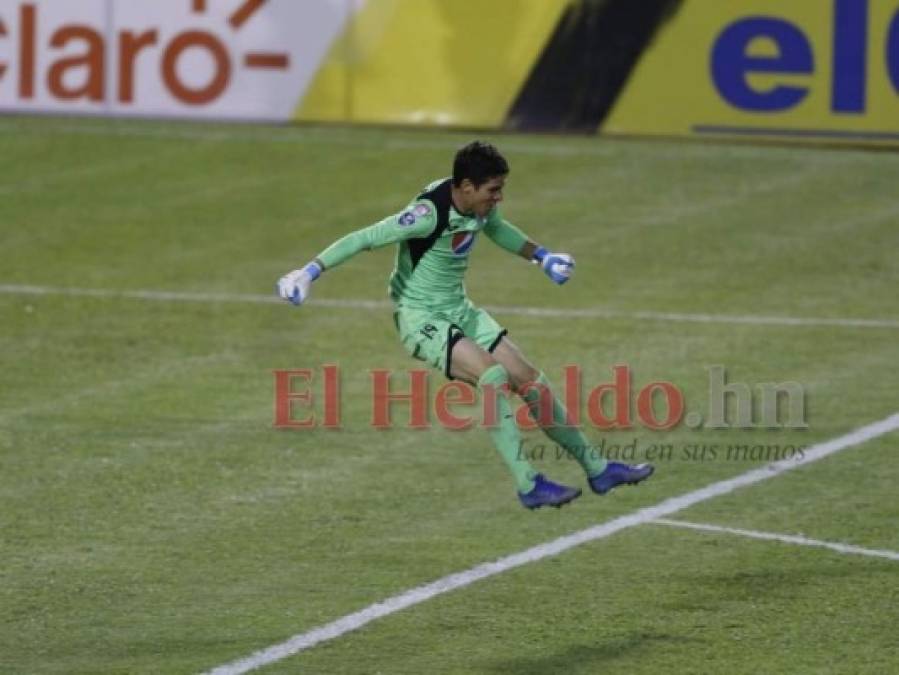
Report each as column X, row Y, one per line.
column 822, row 70
column 434, row 62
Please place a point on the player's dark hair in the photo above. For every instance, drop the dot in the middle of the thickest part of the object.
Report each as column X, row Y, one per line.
column 478, row 162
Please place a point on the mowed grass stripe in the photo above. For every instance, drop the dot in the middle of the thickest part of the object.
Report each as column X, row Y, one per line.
column 352, row 622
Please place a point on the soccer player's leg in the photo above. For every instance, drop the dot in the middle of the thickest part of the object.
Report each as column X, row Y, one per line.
column 425, row 335
column 471, row 363
column 439, row 341
column 547, row 410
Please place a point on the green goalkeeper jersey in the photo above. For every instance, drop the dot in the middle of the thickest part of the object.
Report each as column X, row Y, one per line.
column 434, row 242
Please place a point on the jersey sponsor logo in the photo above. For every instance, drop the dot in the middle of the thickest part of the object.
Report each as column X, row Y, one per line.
column 421, row 210
column 462, row 242
column 405, row 219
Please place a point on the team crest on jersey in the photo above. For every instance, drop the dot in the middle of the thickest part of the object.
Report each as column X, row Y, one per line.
column 406, row 218
column 462, row 242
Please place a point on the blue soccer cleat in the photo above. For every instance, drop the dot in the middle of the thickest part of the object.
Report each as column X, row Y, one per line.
column 617, row 473
column 547, row 493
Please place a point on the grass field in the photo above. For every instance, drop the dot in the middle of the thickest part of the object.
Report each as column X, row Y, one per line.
column 152, row 520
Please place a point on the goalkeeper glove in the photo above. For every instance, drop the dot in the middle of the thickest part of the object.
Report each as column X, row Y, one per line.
column 557, row 266
column 294, row 286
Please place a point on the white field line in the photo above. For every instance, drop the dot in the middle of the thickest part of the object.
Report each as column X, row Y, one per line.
column 414, row 596
column 513, row 310
column 786, row 538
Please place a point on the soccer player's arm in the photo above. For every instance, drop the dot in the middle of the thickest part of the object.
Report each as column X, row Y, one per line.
column 557, row 266
column 419, row 219
column 507, row 236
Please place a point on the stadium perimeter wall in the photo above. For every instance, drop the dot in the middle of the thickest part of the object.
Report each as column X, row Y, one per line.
column 800, row 70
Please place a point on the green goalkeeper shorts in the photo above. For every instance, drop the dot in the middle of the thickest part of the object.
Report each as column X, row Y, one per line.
column 429, row 335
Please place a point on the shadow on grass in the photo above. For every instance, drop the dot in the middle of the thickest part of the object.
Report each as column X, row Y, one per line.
column 576, row 659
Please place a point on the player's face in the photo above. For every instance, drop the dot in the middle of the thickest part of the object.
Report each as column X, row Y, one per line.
column 483, row 198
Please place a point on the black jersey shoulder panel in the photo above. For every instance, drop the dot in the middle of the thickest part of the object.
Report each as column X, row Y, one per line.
column 441, row 197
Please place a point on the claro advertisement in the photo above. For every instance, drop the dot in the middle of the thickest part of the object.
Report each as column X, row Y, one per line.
column 807, row 69
column 247, row 59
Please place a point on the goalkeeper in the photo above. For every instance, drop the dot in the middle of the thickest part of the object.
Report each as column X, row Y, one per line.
column 438, row 324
